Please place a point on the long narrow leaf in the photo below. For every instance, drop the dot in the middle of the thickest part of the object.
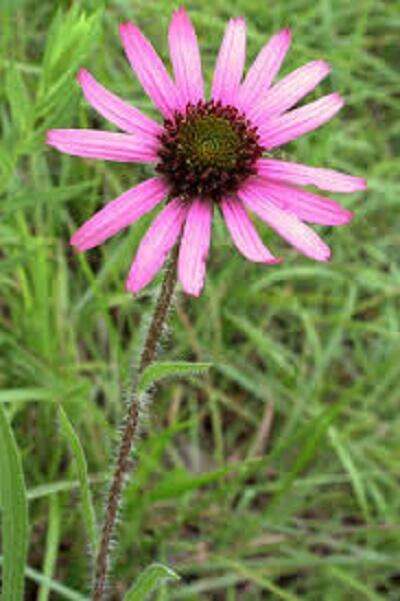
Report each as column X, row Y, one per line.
column 62, row 591
column 52, row 545
column 88, row 512
column 14, row 510
column 168, row 369
column 152, row 577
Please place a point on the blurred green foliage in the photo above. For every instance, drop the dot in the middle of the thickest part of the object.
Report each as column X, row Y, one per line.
column 274, row 476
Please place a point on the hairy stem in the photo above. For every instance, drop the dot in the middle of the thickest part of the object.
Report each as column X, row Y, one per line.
column 130, row 430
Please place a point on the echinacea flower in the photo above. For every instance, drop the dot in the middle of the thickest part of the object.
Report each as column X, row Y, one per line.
column 209, row 153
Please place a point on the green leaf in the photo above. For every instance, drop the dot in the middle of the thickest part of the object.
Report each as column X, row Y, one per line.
column 271, row 350
column 6, row 163
column 13, row 506
column 70, row 38
column 152, row 577
column 52, row 546
column 14, row 395
column 11, row 5
column 27, row 198
column 179, row 482
column 159, row 371
column 313, row 436
column 20, row 104
column 88, row 512
column 345, row 456
column 63, row 592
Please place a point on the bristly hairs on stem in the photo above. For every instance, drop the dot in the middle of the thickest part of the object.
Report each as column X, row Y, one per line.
column 131, row 427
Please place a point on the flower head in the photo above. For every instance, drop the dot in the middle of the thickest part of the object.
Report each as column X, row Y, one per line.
column 208, row 154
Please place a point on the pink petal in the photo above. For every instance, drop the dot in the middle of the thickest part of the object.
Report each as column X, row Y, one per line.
column 103, row 145
column 303, row 204
column 303, row 175
column 111, row 107
column 230, row 63
column 263, row 71
column 287, row 225
column 194, row 246
column 156, row 244
column 287, row 92
column 119, row 213
column 244, row 234
column 185, row 57
column 150, row 70
column 284, row 128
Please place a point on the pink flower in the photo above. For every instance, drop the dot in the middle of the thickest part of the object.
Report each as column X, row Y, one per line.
column 209, row 153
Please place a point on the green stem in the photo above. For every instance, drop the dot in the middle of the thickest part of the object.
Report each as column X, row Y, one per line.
column 130, row 430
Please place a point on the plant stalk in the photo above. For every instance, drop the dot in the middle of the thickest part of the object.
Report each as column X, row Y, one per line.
column 130, row 430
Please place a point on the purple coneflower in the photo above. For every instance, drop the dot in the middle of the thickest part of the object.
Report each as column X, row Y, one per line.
column 209, row 153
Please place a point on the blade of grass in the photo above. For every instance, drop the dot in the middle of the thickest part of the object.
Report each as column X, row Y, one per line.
column 63, row 591
column 52, row 543
column 149, row 580
column 14, row 511
column 88, row 512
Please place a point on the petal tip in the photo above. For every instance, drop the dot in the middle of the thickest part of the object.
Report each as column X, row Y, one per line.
column 77, row 243
column 326, row 256
column 325, row 67
column 339, row 100
column 82, row 75
column 239, row 22
column 181, row 12
column 126, row 28
column 347, row 216
column 342, row 217
column 270, row 260
column 321, row 257
column 287, row 33
column 49, row 139
column 131, row 286
column 283, row 36
column 195, row 292
column 78, row 248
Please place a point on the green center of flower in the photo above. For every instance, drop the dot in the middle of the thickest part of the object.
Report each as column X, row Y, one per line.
column 209, row 141
column 208, row 151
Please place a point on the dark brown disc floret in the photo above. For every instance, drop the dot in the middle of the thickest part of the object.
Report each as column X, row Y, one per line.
column 208, row 151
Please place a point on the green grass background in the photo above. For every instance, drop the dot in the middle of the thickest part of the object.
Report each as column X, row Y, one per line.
column 277, row 475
